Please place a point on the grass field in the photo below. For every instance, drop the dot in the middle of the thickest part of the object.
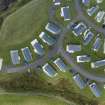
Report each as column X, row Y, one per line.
column 23, row 26
column 29, row 100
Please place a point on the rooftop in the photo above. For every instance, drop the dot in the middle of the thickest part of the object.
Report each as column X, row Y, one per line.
column 15, row 57
column 38, row 48
column 49, row 70
column 60, row 64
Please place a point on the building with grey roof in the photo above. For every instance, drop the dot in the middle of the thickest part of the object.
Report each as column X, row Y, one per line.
column 49, row 70
column 79, row 81
column 53, row 28
column 15, row 57
column 72, row 48
column 1, row 63
column 95, row 90
column 97, row 44
column 38, row 48
column 47, row 39
column 98, row 64
column 79, row 28
column 65, row 13
column 27, row 54
column 60, row 64
column 100, row 16
column 83, row 58
column 87, row 38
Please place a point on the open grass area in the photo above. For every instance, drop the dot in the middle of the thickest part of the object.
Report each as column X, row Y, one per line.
column 21, row 27
column 29, row 100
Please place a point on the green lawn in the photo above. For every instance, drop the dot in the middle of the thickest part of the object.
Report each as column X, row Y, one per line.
column 23, row 26
column 29, row 100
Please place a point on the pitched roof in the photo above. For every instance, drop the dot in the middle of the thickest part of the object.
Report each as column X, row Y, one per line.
column 88, row 37
column 15, row 57
column 47, row 38
column 49, row 70
column 79, row 29
column 97, row 44
column 53, row 28
column 27, row 54
column 83, row 58
column 60, row 64
column 95, row 89
column 98, row 64
column 1, row 63
column 38, row 48
column 79, row 81
column 65, row 12
column 71, row 48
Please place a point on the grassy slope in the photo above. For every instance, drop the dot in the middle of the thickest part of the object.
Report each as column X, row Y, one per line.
column 29, row 100
column 62, row 85
column 22, row 26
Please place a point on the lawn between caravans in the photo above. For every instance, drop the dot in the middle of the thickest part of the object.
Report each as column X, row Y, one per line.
column 23, row 26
